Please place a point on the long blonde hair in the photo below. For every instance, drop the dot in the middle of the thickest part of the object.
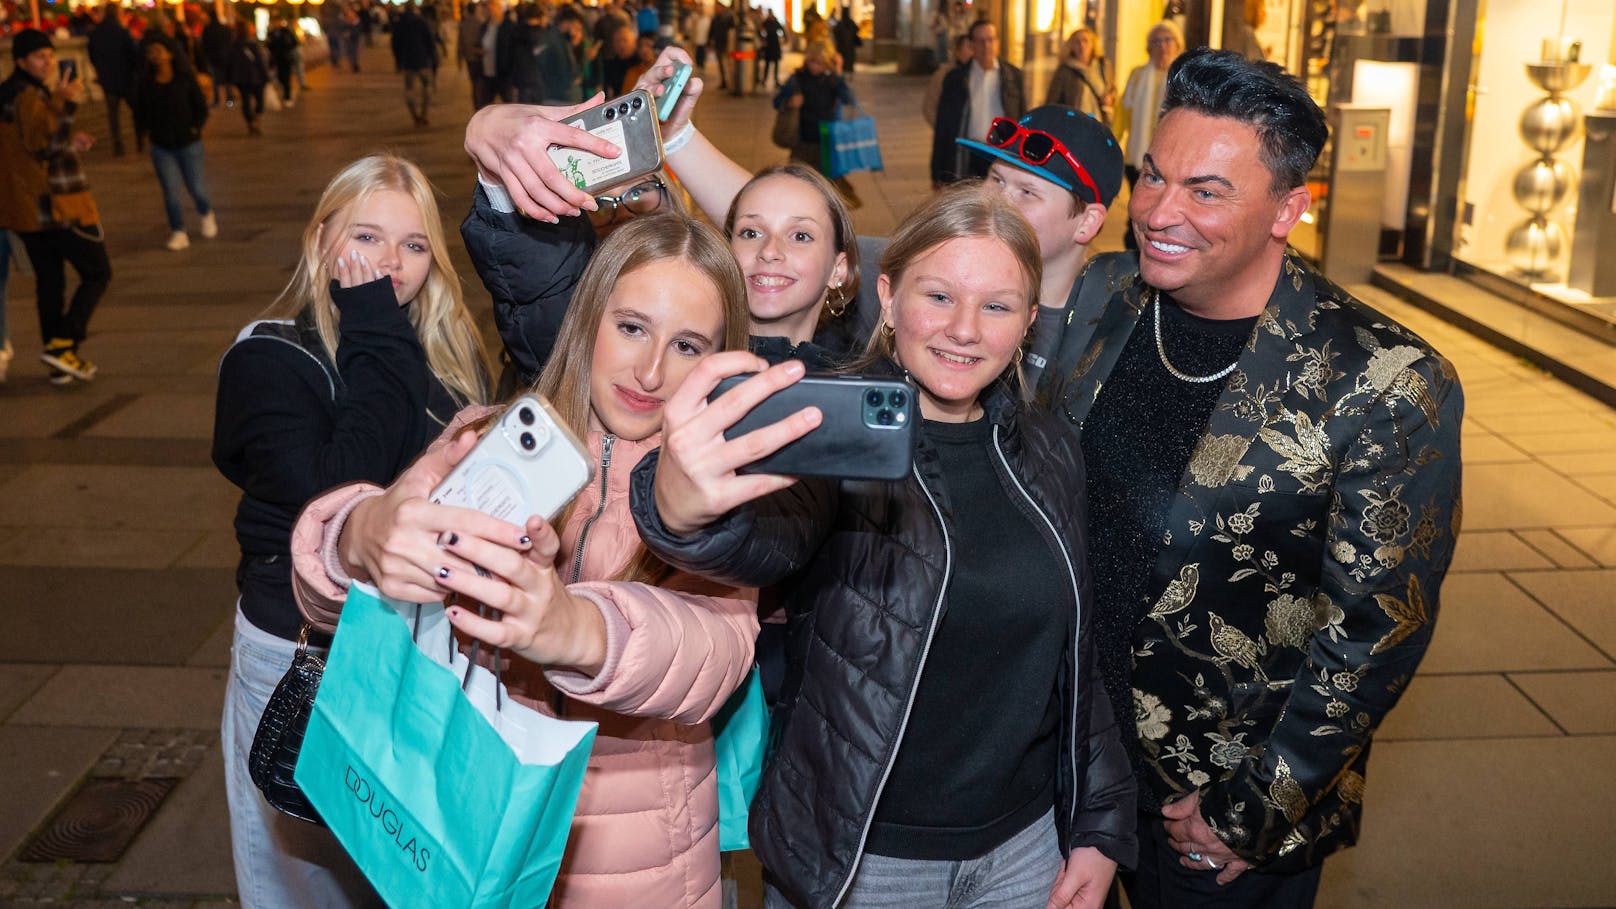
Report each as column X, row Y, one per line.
column 454, row 348
column 650, row 238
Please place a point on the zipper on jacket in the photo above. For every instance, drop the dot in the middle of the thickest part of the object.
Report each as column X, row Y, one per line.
column 1077, row 610
column 914, row 689
column 606, row 441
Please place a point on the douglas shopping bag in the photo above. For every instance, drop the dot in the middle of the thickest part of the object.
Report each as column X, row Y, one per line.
column 849, row 145
column 740, row 732
column 445, row 792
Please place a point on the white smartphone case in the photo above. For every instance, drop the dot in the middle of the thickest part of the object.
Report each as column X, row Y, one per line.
column 527, row 464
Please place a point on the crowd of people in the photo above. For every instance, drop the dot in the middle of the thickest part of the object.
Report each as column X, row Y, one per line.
column 1170, row 549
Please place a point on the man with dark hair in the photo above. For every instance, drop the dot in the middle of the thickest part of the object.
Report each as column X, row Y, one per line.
column 1273, row 476
column 217, row 43
column 974, row 94
column 116, row 59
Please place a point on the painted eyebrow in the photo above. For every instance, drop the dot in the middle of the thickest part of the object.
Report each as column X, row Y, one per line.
column 1201, row 180
column 689, row 333
column 377, row 227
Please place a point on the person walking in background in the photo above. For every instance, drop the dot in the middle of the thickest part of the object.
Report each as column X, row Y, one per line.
column 351, row 25
column 620, row 56
column 721, row 30
column 46, row 199
column 972, row 97
column 561, row 58
column 415, row 54
column 282, row 43
column 6, row 351
column 218, row 42
column 701, row 31
column 774, row 34
column 171, row 108
column 519, row 50
column 473, row 22
column 116, row 59
column 647, row 20
column 358, row 364
column 817, row 92
column 1080, row 80
column 247, row 68
column 934, row 86
column 846, row 35
column 1141, row 99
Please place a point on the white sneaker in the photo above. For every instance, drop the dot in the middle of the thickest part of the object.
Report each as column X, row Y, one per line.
column 178, row 241
column 6, row 354
column 210, row 226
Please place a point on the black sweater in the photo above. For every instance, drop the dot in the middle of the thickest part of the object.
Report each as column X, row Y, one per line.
column 172, row 112
column 279, row 435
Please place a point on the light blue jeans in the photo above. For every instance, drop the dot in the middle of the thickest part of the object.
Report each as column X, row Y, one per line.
column 1019, row 873
column 281, row 862
column 5, row 278
column 176, row 166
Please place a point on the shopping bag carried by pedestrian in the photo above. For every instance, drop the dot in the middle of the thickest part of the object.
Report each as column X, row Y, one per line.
column 787, row 127
column 272, row 97
column 740, row 734
column 444, row 791
column 849, row 145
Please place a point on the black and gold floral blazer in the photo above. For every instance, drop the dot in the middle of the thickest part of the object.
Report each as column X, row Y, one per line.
column 1296, row 589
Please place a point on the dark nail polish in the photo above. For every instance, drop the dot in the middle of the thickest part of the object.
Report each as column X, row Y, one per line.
column 525, row 539
column 454, row 538
column 443, row 572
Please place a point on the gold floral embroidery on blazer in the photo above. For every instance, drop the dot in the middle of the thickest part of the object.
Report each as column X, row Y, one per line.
column 1297, row 587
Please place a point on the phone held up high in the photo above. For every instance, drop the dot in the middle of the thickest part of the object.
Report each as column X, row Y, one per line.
column 630, row 123
column 67, row 71
column 867, row 431
column 672, row 88
column 527, row 463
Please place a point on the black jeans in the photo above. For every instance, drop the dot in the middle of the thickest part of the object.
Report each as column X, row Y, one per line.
column 50, row 251
column 252, row 102
column 116, row 100
column 1160, row 882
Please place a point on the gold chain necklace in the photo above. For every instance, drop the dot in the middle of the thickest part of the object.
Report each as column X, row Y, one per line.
column 1161, row 351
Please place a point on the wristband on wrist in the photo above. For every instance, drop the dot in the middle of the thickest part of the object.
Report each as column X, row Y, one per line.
column 679, row 141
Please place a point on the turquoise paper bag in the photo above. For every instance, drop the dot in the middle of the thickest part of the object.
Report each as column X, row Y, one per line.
column 740, row 734
column 445, row 792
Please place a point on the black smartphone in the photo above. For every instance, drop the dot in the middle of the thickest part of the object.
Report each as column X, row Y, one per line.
column 630, row 123
column 67, row 71
column 867, row 432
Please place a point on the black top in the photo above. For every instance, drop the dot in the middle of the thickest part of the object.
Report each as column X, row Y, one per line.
column 283, row 436
column 977, row 762
column 172, row 112
column 1137, row 442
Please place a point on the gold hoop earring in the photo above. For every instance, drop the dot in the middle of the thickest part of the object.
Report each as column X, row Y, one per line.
column 887, row 331
column 1021, row 352
column 835, row 303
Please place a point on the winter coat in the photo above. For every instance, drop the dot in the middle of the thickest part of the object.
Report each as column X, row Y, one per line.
column 862, row 567
column 114, row 55
column 950, row 161
column 414, row 46
column 248, row 65
column 645, row 832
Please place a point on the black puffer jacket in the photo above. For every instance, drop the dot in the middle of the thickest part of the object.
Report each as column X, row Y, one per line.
column 862, row 567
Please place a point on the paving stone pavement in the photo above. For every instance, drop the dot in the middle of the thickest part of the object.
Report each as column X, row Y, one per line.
column 1489, row 784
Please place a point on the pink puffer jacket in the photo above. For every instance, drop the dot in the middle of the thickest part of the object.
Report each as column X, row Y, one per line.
column 645, row 833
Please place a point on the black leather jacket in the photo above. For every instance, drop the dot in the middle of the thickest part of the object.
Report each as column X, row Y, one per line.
column 862, row 567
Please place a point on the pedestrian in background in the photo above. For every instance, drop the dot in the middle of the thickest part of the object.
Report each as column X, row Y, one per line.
column 6, row 351
column 720, row 32
column 247, row 68
column 117, row 63
column 846, row 35
column 218, row 42
column 773, row 45
column 1141, row 100
column 817, row 92
column 647, row 20
column 972, row 97
column 473, row 22
column 172, row 109
column 934, row 88
column 46, row 199
column 283, row 43
column 415, row 54
column 1080, row 80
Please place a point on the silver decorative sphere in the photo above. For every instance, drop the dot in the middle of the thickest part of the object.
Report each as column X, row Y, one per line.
column 1535, row 247
column 1548, row 124
column 1543, row 184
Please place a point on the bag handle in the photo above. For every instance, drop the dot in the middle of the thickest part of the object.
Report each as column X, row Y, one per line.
column 471, row 656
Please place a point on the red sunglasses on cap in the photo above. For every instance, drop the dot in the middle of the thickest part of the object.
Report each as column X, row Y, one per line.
column 1035, row 146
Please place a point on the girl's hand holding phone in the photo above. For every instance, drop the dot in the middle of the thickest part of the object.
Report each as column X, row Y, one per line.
column 510, row 145
column 537, row 616
column 399, row 541
column 663, row 69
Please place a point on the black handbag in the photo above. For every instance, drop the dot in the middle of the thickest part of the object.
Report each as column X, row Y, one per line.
column 280, row 735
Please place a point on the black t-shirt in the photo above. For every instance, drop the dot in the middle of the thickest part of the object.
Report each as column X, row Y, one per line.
column 1137, row 441
column 977, row 760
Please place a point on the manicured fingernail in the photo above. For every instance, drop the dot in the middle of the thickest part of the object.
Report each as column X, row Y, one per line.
column 454, row 612
column 525, row 539
column 453, row 538
column 443, row 572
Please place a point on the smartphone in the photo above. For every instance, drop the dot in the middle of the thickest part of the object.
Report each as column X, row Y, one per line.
column 672, row 88
column 67, row 70
column 867, row 432
column 629, row 123
column 527, row 463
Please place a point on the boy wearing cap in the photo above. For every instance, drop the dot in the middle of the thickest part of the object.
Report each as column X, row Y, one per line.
column 1061, row 169
column 46, row 200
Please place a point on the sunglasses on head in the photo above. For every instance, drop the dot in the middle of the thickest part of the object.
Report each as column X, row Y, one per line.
column 1035, row 146
column 640, row 199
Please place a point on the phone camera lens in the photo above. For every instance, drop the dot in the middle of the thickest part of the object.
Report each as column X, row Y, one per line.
column 637, row 103
column 528, row 442
column 623, row 108
column 897, row 399
column 872, row 398
column 526, row 416
column 611, row 113
column 884, row 417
